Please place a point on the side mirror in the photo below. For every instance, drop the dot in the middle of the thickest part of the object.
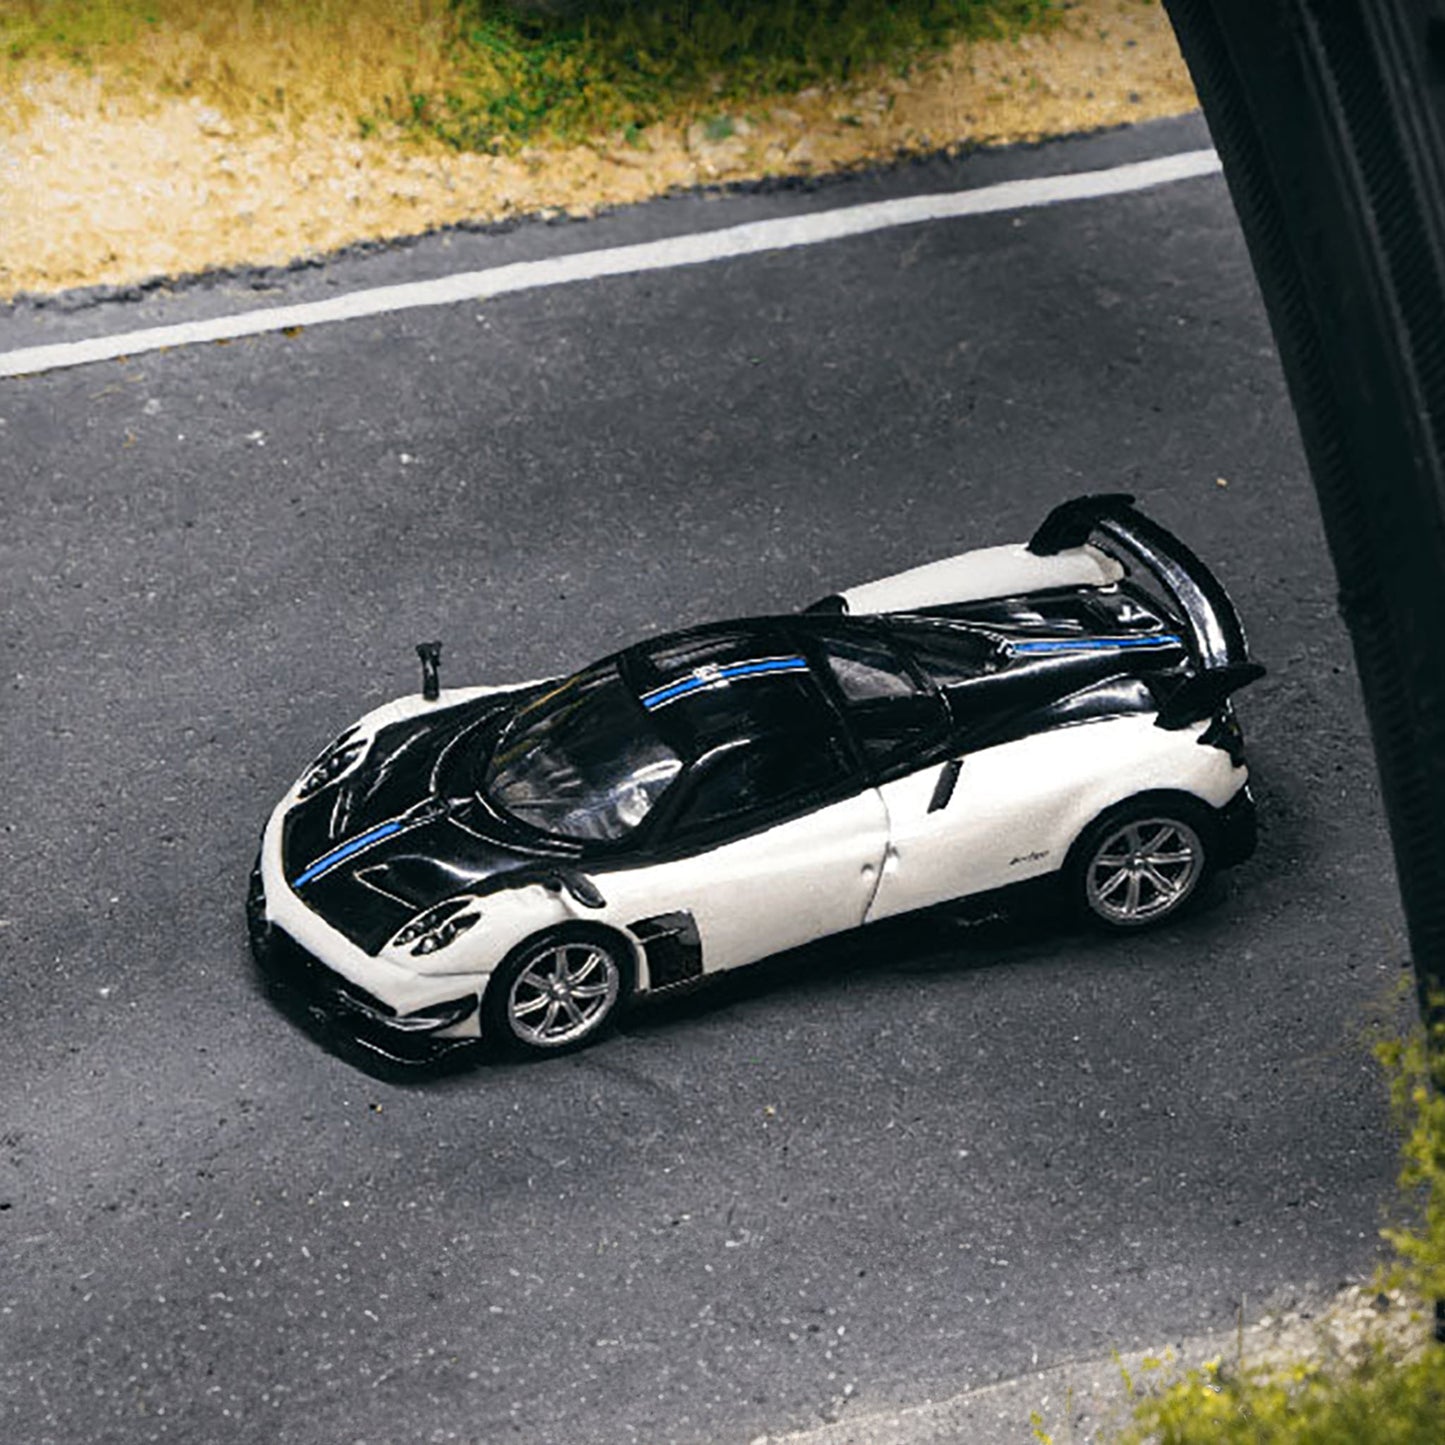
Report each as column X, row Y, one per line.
column 575, row 885
column 431, row 657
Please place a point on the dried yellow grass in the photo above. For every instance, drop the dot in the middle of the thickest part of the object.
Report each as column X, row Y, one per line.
column 110, row 179
column 286, row 60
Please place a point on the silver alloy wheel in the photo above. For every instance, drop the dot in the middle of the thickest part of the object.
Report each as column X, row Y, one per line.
column 564, row 992
column 1143, row 869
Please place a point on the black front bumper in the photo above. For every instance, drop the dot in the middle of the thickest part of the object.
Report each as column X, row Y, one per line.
column 338, row 1004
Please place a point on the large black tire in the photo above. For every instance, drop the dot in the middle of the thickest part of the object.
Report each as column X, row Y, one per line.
column 558, row 991
column 1142, row 861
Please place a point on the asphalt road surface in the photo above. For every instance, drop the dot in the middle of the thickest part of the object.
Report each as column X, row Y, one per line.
column 886, row 1169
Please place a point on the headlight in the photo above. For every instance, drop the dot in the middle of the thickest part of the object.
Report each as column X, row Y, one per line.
column 437, row 927
column 336, row 759
column 440, row 937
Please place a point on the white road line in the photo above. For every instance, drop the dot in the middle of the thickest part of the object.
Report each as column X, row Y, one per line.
column 690, row 250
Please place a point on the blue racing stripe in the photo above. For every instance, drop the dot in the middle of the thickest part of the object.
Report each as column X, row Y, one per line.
column 661, row 696
column 327, row 861
column 1097, row 644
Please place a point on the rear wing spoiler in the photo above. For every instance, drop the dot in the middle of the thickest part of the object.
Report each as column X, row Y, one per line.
column 1111, row 523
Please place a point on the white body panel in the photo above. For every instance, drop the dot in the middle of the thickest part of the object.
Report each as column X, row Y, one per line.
column 797, row 881
column 1017, row 808
column 988, row 572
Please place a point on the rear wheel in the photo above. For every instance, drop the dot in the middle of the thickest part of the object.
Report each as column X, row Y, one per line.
column 557, row 992
column 1141, row 863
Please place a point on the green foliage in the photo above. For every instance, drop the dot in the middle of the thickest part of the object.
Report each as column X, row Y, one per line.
column 1419, row 1104
column 73, row 29
column 597, row 65
column 1381, row 1400
column 493, row 76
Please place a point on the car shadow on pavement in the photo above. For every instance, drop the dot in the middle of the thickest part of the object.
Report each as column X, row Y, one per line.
column 943, row 940
column 1024, row 926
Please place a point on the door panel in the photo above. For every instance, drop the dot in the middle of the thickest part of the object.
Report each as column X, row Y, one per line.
column 1014, row 810
column 794, row 882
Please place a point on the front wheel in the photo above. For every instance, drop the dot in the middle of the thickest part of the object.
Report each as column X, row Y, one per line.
column 1140, row 863
column 557, row 992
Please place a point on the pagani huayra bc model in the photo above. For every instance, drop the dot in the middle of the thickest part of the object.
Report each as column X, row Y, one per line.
column 517, row 863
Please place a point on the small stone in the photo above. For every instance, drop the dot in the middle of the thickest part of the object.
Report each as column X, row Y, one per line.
column 210, row 121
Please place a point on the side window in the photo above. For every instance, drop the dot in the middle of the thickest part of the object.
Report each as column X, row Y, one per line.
column 888, row 713
column 761, row 776
column 866, row 669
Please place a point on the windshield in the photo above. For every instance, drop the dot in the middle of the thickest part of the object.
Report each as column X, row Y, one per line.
column 581, row 761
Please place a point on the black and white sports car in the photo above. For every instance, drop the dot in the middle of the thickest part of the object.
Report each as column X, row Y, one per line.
column 518, row 862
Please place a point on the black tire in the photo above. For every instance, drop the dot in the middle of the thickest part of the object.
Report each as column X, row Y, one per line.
column 558, row 992
column 1141, row 862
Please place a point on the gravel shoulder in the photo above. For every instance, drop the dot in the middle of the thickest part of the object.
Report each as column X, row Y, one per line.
column 100, row 186
column 1087, row 1400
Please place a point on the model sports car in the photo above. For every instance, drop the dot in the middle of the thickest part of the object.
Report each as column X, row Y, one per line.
column 519, row 862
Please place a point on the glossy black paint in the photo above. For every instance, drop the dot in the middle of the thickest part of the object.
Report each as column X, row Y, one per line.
column 430, row 654
column 331, row 1000
column 1071, row 522
column 1060, row 612
column 1111, row 696
column 375, row 893
column 673, row 949
column 419, row 773
column 1216, row 633
column 1238, row 830
column 1189, row 587
column 1200, row 696
column 395, row 773
column 943, row 788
